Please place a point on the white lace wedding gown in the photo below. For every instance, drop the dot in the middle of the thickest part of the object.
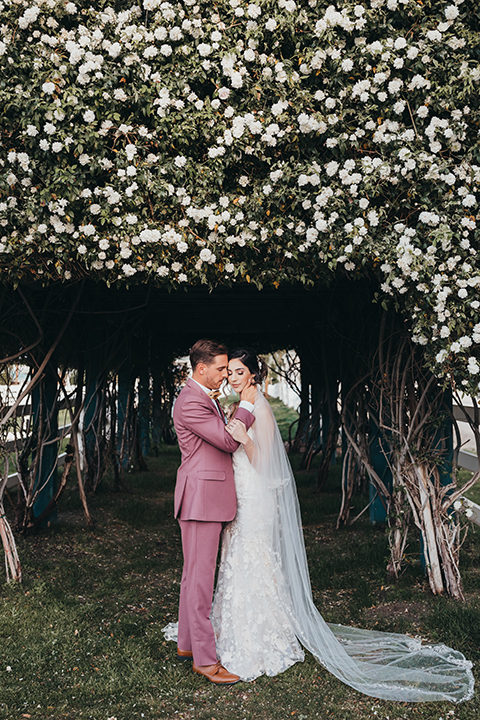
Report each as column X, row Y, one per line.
column 252, row 611
column 263, row 606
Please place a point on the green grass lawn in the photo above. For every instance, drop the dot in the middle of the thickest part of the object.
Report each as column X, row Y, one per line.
column 474, row 492
column 81, row 637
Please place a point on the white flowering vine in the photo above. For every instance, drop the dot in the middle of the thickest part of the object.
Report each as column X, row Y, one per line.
column 272, row 142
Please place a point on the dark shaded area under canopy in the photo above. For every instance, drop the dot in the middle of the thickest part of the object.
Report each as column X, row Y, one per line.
column 335, row 320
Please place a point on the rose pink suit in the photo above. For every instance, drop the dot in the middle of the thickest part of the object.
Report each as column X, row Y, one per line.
column 204, row 499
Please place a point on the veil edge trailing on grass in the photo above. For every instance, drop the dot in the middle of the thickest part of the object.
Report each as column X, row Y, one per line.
column 380, row 664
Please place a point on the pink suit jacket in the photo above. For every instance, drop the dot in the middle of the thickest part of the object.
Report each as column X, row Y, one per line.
column 205, row 488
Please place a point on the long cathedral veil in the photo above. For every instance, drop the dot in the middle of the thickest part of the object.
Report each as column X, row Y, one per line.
column 381, row 664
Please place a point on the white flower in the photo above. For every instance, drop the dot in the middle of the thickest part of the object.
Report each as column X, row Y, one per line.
column 271, row 24
column 276, row 175
column 84, row 159
column 451, row 12
column 128, row 270
column 71, row 8
column 163, row 271
column 244, row 180
column 204, row 49
column 469, row 512
column 81, row 249
column 429, row 218
column 236, row 79
column 331, row 168
column 394, row 86
column 89, row 116
column 48, row 88
column 469, row 200
column 249, row 55
column 114, row 50
column 253, row 11
column 28, row 17
column 180, row 161
column 418, row 81
column 182, row 278
column 473, row 366
column 150, row 52
column 120, row 94
column 440, row 356
column 223, row 93
column 166, row 50
column 400, row 43
column 130, row 151
column 267, row 189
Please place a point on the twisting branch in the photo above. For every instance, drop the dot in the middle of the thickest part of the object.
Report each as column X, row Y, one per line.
column 45, row 360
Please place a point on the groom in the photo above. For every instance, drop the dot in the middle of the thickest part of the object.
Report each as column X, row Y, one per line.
column 204, row 499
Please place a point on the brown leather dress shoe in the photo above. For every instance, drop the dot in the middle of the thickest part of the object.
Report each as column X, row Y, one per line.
column 216, row 674
column 184, row 654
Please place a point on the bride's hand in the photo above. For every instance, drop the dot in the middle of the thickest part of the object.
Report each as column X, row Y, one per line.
column 249, row 393
column 238, row 431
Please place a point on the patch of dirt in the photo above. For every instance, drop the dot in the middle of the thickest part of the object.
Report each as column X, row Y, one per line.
column 412, row 611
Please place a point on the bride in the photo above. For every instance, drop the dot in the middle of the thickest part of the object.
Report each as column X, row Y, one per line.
column 263, row 610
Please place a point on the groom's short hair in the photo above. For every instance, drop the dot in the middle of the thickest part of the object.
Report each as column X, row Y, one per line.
column 205, row 351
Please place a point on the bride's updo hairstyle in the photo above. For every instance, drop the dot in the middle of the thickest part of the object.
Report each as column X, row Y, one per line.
column 252, row 361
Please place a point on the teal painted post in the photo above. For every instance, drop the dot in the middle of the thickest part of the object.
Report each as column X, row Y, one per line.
column 144, row 408
column 44, row 398
column 378, row 510
column 93, row 387
column 123, row 434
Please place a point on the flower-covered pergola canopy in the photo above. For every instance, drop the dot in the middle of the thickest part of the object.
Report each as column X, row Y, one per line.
column 268, row 142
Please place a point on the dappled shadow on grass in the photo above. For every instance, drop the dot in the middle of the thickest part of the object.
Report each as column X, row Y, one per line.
column 83, row 639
